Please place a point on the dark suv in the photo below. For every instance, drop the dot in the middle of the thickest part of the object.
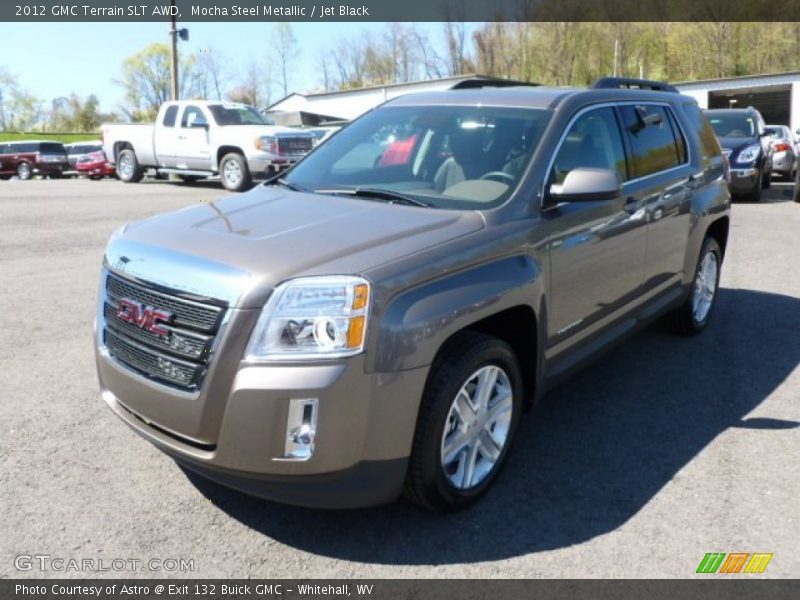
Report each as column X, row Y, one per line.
column 359, row 327
column 29, row 158
column 746, row 142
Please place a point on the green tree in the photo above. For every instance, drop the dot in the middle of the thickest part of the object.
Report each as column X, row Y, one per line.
column 146, row 81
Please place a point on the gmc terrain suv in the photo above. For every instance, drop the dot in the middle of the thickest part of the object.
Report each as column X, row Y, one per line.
column 356, row 329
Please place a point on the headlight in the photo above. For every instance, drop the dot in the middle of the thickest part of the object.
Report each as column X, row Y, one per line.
column 749, row 154
column 267, row 143
column 312, row 317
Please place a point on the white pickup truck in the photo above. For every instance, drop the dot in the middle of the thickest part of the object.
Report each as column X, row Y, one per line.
column 196, row 138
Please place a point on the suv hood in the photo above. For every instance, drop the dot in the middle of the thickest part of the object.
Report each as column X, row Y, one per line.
column 253, row 241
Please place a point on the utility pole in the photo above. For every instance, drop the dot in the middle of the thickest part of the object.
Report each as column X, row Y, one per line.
column 173, row 64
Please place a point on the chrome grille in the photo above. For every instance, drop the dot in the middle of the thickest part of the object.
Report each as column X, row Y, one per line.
column 179, row 358
column 295, row 146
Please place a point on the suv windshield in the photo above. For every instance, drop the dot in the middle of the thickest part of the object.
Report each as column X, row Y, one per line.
column 733, row 124
column 237, row 114
column 461, row 157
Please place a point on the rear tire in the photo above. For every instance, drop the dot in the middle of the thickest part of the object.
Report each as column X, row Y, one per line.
column 24, row 171
column 234, row 172
column 128, row 168
column 695, row 313
column 462, row 436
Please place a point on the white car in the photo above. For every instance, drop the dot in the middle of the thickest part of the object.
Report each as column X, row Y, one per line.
column 195, row 139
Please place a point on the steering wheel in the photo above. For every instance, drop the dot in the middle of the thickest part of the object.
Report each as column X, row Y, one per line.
column 498, row 176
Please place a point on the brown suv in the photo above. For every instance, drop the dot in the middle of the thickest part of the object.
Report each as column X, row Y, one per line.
column 29, row 158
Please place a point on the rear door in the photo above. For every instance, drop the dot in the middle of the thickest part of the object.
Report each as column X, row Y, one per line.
column 166, row 137
column 192, row 149
column 662, row 182
column 597, row 248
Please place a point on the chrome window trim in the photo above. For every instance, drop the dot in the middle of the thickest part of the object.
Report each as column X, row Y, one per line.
column 591, row 107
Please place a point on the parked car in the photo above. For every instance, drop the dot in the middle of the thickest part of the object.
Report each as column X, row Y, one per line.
column 195, row 139
column 745, row 141
column 784, row 152
column 78, row 150
column 341, row 335
column 95, row 165
column 27, row 159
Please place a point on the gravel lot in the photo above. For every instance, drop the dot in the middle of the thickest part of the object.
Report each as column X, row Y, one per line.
column 663, row 450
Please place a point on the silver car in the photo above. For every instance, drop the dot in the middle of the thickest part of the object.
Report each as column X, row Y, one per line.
column 784, row 159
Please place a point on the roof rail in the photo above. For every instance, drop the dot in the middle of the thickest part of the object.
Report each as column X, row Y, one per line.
column 631, row 83
column 469, row 84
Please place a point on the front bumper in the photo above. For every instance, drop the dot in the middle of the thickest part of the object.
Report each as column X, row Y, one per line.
column 269, row 164
column 365, row 429
column 744, row 180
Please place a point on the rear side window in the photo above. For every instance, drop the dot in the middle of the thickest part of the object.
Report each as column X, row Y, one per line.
column 24, row 148
column 4, row 149
column 169, row 116
column 593, row 141
column 654, row 145
column 709, row 145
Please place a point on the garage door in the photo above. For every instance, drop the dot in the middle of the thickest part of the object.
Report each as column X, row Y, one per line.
column 773, row 102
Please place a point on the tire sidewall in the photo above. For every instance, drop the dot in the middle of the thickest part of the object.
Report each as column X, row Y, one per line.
column 132, row 157
column 28, row 171
column 709, row 245
column 495, row 353
column 245, row 181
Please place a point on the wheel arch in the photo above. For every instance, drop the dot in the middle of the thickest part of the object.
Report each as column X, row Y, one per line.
column 223, row 150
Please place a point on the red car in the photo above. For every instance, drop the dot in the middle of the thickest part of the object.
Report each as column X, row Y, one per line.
column 94, row 165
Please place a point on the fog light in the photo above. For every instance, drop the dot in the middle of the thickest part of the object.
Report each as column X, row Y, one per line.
column 301, row 428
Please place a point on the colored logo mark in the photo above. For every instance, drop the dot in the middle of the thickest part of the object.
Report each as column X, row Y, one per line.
column 735, row 562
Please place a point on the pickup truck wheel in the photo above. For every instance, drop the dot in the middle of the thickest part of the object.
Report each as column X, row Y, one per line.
column 469, row 413
column 24, row 170
column 234, row 172
column 694, row 315
column 128, row 169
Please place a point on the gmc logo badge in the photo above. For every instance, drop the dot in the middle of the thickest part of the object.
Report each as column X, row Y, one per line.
column 145, row 317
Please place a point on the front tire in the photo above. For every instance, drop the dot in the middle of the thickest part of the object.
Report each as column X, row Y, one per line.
column 128, row 168
column 695, row 313
column 469, row 414
column 234, row 172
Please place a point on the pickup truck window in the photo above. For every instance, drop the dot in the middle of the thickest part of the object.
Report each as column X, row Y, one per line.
column 236, row 114
column 170, row 115
column 652, row 138
column 594, row 140
column 459, row 157
column 192, row 117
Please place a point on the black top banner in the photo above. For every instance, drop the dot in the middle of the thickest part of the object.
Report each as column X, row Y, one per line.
column 404, row 11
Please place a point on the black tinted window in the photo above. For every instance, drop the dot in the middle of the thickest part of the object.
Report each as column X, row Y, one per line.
column 51, row 148
column 169, row 116
column 653, row 142
column 594, row 141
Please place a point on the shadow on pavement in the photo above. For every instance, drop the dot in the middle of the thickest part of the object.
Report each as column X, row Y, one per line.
column 589, row 457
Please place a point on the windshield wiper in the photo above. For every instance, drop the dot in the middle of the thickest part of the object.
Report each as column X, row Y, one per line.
column 288, row 184
column 379, row 194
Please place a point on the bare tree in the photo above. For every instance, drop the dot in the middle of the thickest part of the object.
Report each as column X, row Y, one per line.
column 212, row 75
column 254, row 86
column 287, row 51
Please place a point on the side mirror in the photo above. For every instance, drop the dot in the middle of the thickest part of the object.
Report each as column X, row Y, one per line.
column 767, row 133
column 586, row 184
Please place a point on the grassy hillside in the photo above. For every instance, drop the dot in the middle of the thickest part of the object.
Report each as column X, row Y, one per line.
column 65, row 138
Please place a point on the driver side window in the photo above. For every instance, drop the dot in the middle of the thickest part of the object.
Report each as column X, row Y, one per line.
column 593, row 141
column 193, row 117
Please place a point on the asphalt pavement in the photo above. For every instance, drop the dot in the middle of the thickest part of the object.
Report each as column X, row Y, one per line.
column 662, row 450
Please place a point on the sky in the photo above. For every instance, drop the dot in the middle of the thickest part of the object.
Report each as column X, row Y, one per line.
column 85, row 57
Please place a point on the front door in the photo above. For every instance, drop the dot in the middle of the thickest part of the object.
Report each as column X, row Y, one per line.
column 597, row 248
column 192, row 149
